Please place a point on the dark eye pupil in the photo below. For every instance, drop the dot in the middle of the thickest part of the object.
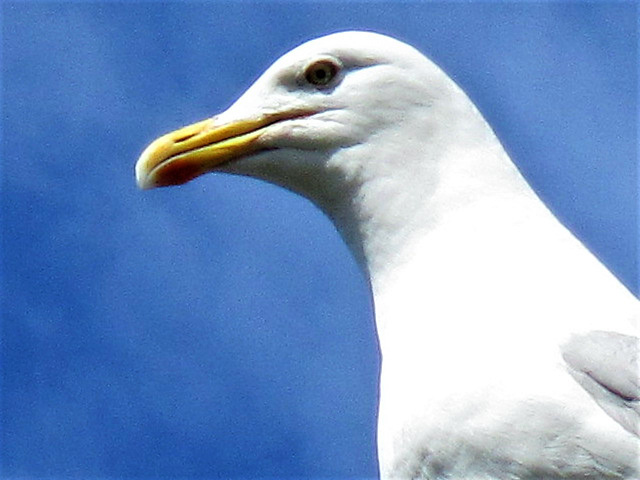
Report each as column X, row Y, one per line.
column 321, row 73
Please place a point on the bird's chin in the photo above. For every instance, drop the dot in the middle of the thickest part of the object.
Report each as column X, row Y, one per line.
column 178, row 171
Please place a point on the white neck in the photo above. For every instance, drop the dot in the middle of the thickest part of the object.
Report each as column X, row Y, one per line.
column 435, row 174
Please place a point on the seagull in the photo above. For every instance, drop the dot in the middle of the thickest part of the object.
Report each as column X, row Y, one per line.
column 508, row 350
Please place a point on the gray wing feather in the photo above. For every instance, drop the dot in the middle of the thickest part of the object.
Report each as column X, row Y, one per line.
column 606, row 365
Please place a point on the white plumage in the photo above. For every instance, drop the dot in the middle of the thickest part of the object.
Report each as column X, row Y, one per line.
column 508, row 349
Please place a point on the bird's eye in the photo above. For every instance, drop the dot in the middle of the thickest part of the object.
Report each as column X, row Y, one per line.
column 320, row 73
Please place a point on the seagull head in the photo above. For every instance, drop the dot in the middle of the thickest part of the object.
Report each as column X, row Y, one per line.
column 325, row 97
column 349, row 120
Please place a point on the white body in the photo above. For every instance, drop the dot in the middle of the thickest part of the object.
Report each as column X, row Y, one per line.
column 471, row 316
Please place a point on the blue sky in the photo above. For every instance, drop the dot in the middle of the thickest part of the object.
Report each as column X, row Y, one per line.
column 221, row 329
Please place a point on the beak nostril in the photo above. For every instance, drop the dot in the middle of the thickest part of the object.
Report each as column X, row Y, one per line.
column 187, row 133
column 185, row 137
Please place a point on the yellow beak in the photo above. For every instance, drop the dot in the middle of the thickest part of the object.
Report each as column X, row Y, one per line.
column 182, row 155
